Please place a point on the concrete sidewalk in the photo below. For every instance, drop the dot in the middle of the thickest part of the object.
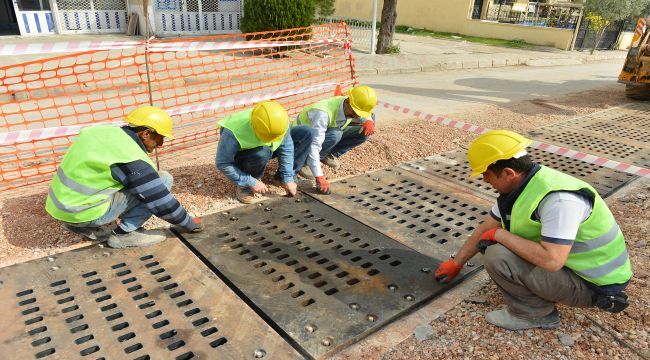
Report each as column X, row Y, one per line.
column 422, row 54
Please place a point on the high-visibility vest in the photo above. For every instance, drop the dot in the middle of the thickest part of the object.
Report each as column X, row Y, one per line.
column 331, row 106
column 82, row 188
column 239, row 124
column 598, row 254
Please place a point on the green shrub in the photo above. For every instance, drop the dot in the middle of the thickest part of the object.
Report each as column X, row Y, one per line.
column 266, row 15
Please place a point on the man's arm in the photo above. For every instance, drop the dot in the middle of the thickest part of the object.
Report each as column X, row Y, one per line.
column 285, row 159
column 226, row 151
column 143, row 181
column 319, row 122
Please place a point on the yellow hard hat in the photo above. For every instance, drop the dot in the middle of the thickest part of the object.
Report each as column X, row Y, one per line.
column 154, row 118
column 270, row 121
column 362, row 99
column 493, row 146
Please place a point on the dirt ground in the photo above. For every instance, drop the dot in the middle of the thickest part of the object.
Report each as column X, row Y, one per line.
column 27, row 232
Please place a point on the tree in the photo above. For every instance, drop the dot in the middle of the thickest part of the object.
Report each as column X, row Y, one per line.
column 602, row 13
column 324, row 7
column 265, row 15
column 387, row 28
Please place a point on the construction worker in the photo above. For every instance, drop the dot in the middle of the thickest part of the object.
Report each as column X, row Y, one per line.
column 550, row 238
column 248, row 141
column 340, row 123
column 106, row 174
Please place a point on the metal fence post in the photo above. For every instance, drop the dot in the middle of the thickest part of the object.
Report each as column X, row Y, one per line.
column 374, row 27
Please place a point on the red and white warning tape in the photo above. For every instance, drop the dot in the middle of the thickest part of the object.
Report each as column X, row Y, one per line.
column 23, row 136
column 78, row 46
column 559, row 150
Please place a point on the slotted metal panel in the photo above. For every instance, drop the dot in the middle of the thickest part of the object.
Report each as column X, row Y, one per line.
column 453, row 167
column 433, row 217
column 323, row 277
column 159, row 302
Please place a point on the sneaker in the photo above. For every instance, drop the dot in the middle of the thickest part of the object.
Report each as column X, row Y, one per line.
column 504, row 319
column 100, row 233
column 245, row 195
column 136, row 238
column 305, row 172
column 331, row 161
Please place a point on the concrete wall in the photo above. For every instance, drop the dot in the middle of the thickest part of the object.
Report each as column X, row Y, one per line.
column 454, row 17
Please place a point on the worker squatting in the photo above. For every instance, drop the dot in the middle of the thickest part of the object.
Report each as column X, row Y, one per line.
column 549, row 238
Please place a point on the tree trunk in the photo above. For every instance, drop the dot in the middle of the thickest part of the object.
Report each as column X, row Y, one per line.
column 599, row 37
column 387, row 29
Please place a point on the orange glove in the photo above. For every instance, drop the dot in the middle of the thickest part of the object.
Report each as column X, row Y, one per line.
column 486, row 239
column 367, row 128
column 447, row 271
column 199, row 225
column 322, row 185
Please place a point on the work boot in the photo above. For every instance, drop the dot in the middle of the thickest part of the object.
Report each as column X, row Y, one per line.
column 136, row 238
column 504, row 319
column 331, row 161
column 305, row 172
column 245, row 195
column 100, row 233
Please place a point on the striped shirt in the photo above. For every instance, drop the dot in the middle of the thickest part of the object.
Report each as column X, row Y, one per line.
column 142, row 180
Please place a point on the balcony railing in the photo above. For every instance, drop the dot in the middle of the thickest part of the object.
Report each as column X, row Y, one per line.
column 535, row 14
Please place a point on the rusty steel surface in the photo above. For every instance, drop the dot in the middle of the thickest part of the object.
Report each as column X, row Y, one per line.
column 324, row 278
column 433, row 217
column 159, row 302
column 453, row 166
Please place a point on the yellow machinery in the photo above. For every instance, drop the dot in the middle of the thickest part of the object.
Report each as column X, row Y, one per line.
column 636, row 70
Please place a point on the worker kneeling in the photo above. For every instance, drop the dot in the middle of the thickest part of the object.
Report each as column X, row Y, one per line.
column 248, row 141
column 550, row 238
column 340, row 124
column 106, row 174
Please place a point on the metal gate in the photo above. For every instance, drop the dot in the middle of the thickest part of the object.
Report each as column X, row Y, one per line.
column 91, row 16
column 586, row 37
column 178, row 17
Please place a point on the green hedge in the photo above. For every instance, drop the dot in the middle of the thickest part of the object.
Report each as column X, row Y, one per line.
column 266, row 15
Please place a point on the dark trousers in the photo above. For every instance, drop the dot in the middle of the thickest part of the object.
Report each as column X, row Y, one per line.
column 337, row 142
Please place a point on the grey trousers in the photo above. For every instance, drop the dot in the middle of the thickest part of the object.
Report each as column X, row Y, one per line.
column 531, row 292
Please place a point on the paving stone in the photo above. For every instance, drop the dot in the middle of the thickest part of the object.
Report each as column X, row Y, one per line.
column 424, row 332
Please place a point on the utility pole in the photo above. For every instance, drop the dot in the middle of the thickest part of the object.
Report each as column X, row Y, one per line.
column 373, row 35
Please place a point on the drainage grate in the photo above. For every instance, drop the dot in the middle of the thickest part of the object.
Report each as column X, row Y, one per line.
column 324, row 278
column 453, row 167
column 429, row 216
column 154, row 303
column 640, row 135
column 590, row 144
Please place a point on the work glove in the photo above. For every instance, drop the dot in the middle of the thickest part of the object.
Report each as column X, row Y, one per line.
column 612, row 303
column 367, row 128
column 197, row 229
column 486, row 239
column 447, row 271
column 322, row 185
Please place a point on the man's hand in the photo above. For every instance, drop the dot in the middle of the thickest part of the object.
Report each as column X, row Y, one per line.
column 291, row 188
column 199, row 225
column 260, row 187
column 367, row 128
column 322, row 185
column 487, row 239
column 447, row 271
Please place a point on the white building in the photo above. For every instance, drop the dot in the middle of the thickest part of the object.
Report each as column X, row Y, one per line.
column 166, row 17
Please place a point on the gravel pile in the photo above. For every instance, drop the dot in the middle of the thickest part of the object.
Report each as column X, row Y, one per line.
column 27, row 232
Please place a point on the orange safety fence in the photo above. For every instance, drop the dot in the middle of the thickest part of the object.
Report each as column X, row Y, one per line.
column 44, row 103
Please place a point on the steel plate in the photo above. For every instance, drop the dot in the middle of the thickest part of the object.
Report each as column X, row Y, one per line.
column 453, row 167
column 432, row 217
column 159, row 302
column 324, row 278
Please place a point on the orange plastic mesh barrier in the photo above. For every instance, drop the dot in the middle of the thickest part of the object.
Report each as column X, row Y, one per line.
column 44, row 103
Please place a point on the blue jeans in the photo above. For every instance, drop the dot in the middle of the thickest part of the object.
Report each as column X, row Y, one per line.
column 254, row 161
column 132, row 212
column 337, row 142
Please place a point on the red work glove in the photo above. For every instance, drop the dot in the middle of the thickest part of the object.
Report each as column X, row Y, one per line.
column 199, row 225
column 322, row 185
column 367, row 128
column 447, row 271
column 486, row 239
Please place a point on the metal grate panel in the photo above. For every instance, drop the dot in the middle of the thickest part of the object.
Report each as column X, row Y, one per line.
column 158, row 303
column 453, row 167
column 323, row 277
column 620, row 131
column 429, row 216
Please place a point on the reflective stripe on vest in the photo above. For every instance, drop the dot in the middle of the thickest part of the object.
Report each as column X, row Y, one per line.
column 330, row 106
column 80, row 188
column 239, row 124
column 73, row 209
column 598, row 253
